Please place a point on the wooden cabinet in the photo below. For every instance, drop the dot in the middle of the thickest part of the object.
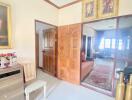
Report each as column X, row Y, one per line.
column 11, row 83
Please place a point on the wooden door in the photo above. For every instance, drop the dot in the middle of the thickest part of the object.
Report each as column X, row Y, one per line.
column 69, row 46
column 49, row 52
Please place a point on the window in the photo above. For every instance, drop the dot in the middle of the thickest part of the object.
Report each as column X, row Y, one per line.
column 107, row 43
column 113, row 43
column 128, row 44
column 101, row 46
column 120, row 44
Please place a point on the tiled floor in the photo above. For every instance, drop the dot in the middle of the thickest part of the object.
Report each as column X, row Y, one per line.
column 67, row 91
column 60, row 90
column 52, row 82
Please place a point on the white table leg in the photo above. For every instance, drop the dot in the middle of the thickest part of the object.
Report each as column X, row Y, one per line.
column 27, row 96
column 44, row 92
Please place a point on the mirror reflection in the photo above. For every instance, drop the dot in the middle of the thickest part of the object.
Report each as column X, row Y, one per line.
column 98, row 54
column 124, row 44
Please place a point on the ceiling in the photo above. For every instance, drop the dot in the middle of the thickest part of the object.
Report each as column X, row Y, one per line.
column 102, row 25
column 61, row 3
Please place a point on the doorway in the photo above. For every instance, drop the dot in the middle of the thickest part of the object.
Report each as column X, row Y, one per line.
column 46, row 47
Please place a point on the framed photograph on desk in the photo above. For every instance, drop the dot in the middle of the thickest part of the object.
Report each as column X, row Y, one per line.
column 5, row 26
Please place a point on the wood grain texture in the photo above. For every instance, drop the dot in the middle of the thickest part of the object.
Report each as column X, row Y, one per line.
column 29, row 71
column 69, row 44
column 49, row 53
column 29, row 68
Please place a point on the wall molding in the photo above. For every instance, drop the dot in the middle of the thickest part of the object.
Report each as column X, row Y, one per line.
column 66, row 5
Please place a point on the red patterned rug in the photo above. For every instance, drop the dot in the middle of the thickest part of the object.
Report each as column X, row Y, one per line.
column 100, row 77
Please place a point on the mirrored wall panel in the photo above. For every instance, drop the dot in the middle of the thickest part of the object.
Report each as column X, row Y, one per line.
column 98, row 54
column 124, row 44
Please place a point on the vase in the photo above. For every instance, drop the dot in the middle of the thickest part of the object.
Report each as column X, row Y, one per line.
column 129, row 89
column 120, row 88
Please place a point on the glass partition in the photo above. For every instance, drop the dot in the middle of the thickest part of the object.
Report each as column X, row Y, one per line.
column 124, row 44
column 98, row 54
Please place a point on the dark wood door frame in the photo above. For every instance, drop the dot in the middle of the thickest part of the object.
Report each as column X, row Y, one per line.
column 117, row 28
column 37, row 48
column 56, row 49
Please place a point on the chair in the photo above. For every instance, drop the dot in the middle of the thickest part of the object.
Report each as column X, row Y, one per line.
column 35, row 86
column 29, row 68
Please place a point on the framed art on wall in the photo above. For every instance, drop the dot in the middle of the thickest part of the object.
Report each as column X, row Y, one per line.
column 107, row 8
column 5, row 26
column 89, row 10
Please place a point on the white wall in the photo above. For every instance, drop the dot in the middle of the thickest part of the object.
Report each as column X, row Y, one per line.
column 125, row 7
column 24, row 13
column 71, row 14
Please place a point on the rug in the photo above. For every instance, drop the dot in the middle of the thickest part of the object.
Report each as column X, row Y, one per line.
column 100, row 77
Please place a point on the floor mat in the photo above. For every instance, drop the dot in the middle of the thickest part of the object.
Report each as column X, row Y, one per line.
column 100, row 77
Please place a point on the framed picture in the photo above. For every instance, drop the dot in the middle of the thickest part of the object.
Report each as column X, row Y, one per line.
column 107, row 8
column 5, row 26
column 89, row 10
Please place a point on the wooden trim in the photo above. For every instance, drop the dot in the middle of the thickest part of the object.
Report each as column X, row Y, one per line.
column 81, row 51
column 45, row 23
column 35, row 50
column 60, row 7
column 69, row 4
column 56, row 52
column 98, row 20
column 52, row 4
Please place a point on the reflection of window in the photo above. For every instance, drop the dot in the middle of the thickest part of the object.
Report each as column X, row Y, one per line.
column 128, row 44
column 107, row 43
column 113, row 43
column 120, row 44
column 101, row 46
